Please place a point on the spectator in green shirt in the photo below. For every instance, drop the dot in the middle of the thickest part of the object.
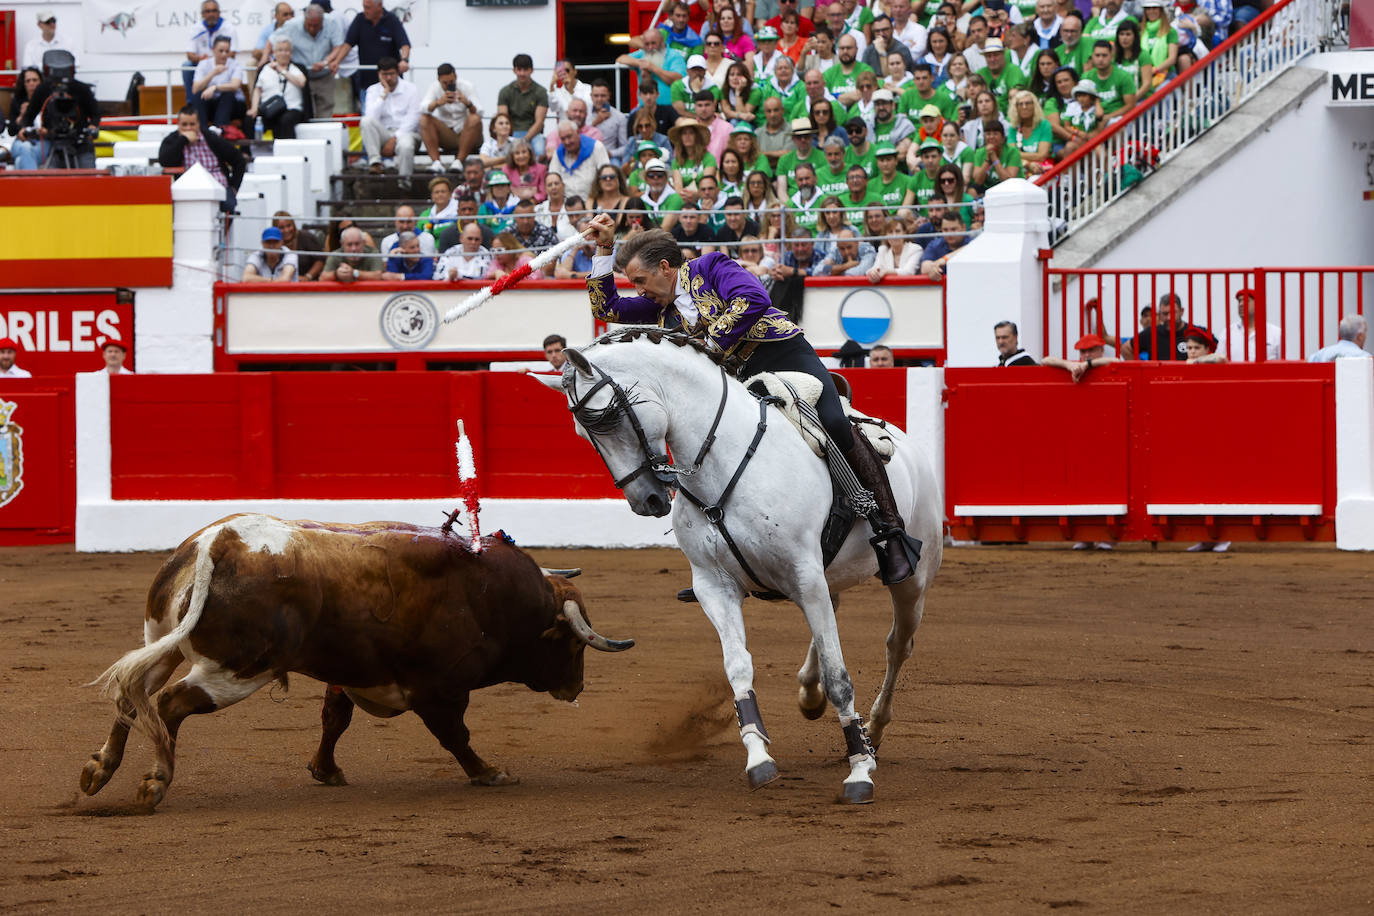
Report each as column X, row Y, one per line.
column 1115, row 87
column 804, row 151
column 892, row 187
column 830, row 174
column 1032, row 135
column 996, row 161
column 923, row 181
column 840, row 77
column 860, row 150
column 1073, row 50
column 858, row 194
column 1001, row 79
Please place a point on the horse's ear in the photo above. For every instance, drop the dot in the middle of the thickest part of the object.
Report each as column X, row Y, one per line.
column 577, row 359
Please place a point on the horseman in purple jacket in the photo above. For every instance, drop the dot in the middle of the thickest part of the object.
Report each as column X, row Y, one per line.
column 714, row 299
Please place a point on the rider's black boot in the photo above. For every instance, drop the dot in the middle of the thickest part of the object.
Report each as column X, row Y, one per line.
column 898, row 553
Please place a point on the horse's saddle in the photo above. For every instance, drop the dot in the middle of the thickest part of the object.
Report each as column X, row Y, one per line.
column 786, row 387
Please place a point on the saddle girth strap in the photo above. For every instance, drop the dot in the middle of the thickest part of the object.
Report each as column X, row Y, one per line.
column 715, row 514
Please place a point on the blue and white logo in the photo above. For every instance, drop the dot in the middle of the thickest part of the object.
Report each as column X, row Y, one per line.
column 865, row 316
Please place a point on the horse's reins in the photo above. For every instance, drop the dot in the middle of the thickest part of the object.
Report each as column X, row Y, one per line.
column 670, row 474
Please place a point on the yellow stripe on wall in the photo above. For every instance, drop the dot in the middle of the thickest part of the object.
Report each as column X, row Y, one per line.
column 73, row 233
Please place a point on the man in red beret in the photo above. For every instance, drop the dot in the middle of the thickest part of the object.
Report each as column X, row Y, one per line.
column 1091, row 349
column 114, row 351
column 8, row 351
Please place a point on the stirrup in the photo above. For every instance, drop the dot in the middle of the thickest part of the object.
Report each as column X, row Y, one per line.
column 908, row 545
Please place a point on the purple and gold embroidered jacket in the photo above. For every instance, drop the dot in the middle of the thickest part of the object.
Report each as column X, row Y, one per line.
column 734, row 310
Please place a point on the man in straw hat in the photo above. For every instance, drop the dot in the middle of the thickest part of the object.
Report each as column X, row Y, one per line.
column 713, row 298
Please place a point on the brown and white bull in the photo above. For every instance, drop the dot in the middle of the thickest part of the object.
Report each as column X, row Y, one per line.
column 399, row 617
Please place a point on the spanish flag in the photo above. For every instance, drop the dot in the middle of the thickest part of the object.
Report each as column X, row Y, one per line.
column 82, row 231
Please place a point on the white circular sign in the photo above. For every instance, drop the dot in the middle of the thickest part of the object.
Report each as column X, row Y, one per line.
column 409, row 321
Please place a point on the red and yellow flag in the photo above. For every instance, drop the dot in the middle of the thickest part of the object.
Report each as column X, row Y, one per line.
column 60, row 232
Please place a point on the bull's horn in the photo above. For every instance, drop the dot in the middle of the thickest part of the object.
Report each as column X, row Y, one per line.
column 565, row 573
column 585, row 632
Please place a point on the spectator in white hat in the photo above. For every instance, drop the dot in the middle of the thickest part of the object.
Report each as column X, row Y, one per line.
column 47, row 41
column 683, row 91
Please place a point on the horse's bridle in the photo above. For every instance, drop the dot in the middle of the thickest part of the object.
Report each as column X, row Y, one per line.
column 666, row 471
column 659, row 465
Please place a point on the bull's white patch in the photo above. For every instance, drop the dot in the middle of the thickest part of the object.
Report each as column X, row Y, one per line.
column 262, row 533
column 220, row 683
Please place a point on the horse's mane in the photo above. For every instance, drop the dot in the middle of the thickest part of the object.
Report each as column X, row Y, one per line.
column 659, row 335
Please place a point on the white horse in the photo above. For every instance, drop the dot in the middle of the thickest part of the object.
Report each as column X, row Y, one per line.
column 639, row 392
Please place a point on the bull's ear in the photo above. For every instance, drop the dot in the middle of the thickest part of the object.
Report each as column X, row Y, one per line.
column 553, row 381
column 577, row 359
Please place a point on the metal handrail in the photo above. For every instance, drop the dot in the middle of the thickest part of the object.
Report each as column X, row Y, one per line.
column 1180, row 111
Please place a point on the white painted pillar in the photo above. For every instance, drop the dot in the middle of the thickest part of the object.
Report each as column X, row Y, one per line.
column 1355, row 454
column 925, row 417
column 174, row 327
column 997, row 277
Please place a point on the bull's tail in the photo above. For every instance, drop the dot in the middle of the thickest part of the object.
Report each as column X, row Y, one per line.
column 126, row 681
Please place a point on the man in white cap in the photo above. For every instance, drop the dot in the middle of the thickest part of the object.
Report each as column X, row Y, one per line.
column 888, row 125
column 683, row 91
column 659, row 195
column 47, row 41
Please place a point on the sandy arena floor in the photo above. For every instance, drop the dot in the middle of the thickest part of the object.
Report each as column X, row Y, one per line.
column 1130, row 732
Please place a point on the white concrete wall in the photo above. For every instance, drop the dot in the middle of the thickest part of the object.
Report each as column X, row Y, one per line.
column 1294, row 196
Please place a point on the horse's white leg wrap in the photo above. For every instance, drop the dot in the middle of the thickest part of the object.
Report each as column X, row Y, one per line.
column 858, row 786
column 725, row 613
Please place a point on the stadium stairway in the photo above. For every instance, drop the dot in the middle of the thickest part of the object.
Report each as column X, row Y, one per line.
column 1151, row 199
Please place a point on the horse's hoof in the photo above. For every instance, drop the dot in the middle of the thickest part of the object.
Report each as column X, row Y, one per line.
column 94, row 776
column 762, row 775
column 687, row 596
column 330, row 778
column 808, row 710
column 151, row 792
column 859, row 792
column 495, row 778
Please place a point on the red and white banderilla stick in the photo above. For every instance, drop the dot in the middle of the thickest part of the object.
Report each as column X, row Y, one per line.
column 482, row 296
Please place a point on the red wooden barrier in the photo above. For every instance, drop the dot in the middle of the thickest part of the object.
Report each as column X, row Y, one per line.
column 37, row 461
column 375, row 435
column 1142, row 451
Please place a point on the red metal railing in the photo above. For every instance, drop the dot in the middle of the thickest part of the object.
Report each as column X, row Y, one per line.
column 1297, row 309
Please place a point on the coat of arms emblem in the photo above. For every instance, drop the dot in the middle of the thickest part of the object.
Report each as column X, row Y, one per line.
column 11, row 454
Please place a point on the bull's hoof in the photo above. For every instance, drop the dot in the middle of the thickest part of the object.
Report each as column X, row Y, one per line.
column 811, row 701
column 94, row 776
column 859, row 792
column 762, row 775
column 333, row 777
column 495, row 778
column 151, row 792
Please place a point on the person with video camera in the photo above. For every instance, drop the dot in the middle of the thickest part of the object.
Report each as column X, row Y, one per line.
column 62, row 116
